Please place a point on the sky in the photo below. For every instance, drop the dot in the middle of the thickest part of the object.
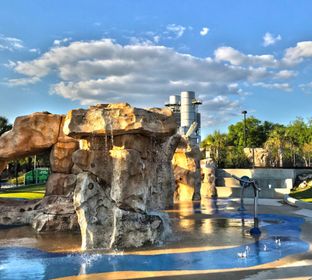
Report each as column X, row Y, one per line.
column 236, row 55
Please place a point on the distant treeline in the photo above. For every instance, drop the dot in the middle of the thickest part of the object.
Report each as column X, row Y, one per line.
column 292, row 143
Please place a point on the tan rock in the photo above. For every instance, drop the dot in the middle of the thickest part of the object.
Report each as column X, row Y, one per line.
column 186, row 168
column 62, row 150
column 55, row 213
column 208, row 171
column 124, row 177
column 60, row 184
column 30, row 135
column 116, row 119
column 61, row 156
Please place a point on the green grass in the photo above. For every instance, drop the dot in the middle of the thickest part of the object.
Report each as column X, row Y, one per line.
column 25, row 192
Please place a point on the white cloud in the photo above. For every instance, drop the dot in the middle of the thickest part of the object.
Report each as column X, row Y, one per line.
column 204, row 31
column 298, row 53
column 145, row 74
column 61, row 41
column 270, row 39
column 236, row 57
column 22, row 81
column 104, row 71
column 285, row 74
column 10, row 43
column 307, row 87
column 278, row 86
column 34, row 50
column 174, row 31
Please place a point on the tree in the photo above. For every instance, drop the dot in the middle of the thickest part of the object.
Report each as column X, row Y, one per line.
column 257, row 133
column 307, row 153
column 4, row 125
column 216, row 144
column 276, row 144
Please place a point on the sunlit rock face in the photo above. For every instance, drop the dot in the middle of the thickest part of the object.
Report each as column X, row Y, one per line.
column 208, row 172
column 30, row 134
column 186, row 166
column 124, row 174
column 111, row 173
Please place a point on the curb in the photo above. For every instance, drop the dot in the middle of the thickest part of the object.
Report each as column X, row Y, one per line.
column 295, row 202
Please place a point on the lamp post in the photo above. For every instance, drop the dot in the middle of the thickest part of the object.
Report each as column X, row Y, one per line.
column 245, row 132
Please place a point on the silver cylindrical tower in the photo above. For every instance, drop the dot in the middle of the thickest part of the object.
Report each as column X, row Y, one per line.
column 187, row 108
column 174, row 100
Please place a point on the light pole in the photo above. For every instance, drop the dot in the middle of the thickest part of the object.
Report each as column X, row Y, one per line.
column 245, row 132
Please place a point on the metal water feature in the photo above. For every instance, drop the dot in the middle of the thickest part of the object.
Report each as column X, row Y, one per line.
column 246, row 182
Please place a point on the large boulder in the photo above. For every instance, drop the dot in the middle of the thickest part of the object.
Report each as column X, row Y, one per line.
column 60, row 184
column 55, row 213
column 208, row 171
column 186, row 167
column 124, row 174
column 62, row 151
column 119, row 119
column 30, row 135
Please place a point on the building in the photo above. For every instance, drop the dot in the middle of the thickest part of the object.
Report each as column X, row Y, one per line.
column 185, row 110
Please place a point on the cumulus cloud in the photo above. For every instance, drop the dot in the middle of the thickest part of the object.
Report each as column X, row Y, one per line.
column 144, row 74
column 236, row 57
column 105, row 71
column 270, row 39
column 285, row 74
column 204, row 31
column 10, row 43
column 298, row 53
column 276, row 86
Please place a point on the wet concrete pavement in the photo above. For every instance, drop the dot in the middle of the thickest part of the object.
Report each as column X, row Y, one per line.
column 204, row 235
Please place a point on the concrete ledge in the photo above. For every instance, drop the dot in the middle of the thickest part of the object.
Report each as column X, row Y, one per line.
column 296, row 202
column 235, row 191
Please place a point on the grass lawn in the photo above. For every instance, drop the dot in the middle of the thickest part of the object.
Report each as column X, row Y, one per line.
column 303, row 194
column 25, row 192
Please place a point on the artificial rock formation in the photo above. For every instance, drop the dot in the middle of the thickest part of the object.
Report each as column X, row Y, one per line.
column 111, row 173
column 186, row 167
column 124, row 174
column 208, row 170
column 30, row 135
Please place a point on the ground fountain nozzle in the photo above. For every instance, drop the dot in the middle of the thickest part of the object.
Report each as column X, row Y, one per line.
column 246, row 182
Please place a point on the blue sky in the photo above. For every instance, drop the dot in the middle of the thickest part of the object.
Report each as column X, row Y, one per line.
column 237, row 55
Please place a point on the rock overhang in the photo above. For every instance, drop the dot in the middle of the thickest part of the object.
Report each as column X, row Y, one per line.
column 119, row 119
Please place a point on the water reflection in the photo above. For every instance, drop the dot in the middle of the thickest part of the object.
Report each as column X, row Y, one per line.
column 202, row 225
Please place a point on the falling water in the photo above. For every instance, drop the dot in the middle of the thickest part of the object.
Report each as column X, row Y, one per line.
column 111, row 130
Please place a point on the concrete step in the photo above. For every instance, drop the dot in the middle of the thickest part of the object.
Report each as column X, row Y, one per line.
column 235, row 191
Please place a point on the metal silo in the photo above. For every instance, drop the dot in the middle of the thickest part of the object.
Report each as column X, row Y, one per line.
column 187, row 108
